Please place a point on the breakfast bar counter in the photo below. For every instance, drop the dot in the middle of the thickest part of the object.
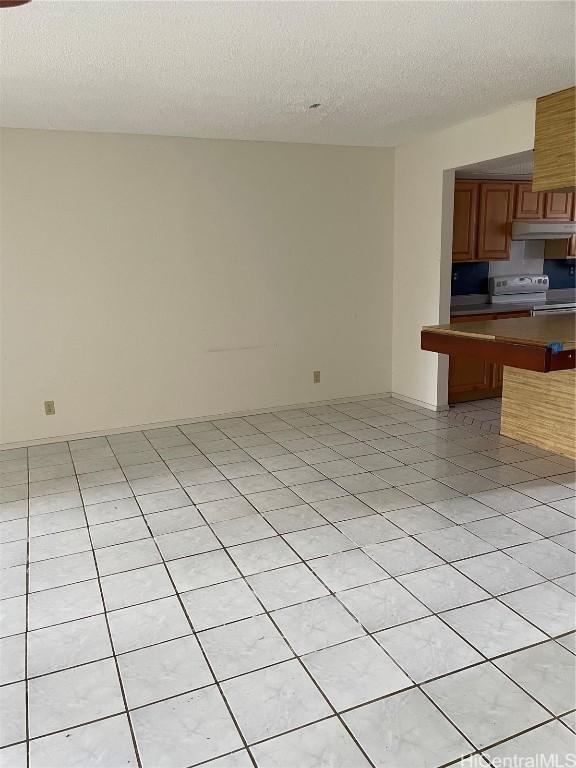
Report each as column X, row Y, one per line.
column 539, row 358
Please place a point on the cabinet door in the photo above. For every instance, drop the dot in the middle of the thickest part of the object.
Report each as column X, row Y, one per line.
column 465, row 223
column 558, row 205
column 496, row 207
column 469, row 379
column 529, row 205
column 560, row 249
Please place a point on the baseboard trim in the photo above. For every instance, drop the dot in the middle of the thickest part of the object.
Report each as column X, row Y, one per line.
column 420, row 403
column 176, row 422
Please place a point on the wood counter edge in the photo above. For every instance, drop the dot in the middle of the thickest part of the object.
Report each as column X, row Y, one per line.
column 530, row 357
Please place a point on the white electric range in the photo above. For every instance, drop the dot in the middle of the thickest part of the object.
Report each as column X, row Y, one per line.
column 529, row 290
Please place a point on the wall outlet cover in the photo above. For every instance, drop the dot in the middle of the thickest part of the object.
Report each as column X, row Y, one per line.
column 49, row 408
column 316, row 377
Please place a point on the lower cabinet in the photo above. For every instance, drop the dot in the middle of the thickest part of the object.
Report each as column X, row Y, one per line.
column 472, row 379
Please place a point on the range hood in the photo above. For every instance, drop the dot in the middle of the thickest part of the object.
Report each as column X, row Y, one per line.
column 543, row 230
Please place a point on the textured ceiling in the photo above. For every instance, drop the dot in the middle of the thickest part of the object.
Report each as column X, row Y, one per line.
column 382, row 71
column 521, row 164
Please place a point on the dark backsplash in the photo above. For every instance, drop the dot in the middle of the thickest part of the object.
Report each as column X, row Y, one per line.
column 561, row 272
column 472, row 277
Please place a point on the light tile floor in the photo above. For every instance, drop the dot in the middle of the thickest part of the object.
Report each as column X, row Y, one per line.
column 484, row 414
column 362, row 584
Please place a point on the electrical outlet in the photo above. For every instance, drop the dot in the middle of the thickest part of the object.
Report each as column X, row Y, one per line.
column 49, row 408
column 316, row 377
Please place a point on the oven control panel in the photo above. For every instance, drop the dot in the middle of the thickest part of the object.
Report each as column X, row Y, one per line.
column 514, row 284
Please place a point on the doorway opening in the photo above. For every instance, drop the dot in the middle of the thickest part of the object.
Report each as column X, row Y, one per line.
column 486, row 198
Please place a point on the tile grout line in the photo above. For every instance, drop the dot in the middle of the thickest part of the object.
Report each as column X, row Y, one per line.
column 117, row 666
column 351, row 437
column 494, row 596
column 356, row 547
column 419, row 686
column 26, row 627
column 330, row 591
column 370, row 634
column 439, row 480
column 320, row 557
column 194, row 634
column 496, row 515
column 296, row 658
column 328, row 522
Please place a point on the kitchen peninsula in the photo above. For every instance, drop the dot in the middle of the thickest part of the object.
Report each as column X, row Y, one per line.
column 539, row 359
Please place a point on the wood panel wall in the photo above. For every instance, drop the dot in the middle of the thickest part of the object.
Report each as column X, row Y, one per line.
column 555, row 141
column 540, row 409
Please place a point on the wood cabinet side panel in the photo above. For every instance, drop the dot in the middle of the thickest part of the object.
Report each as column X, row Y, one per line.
column 540, row 409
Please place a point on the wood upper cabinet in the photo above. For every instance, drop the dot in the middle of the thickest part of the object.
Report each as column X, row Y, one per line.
column 483, row 214
column 529, row 204
column 465, row 222
column 558, row 205
column 560, row 249
column 542, row 205
column 482, row 218
column 495, row 219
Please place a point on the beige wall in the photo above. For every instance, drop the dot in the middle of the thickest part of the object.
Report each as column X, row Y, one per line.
column 150, row 279
column 147, row 279
column 423, row 200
